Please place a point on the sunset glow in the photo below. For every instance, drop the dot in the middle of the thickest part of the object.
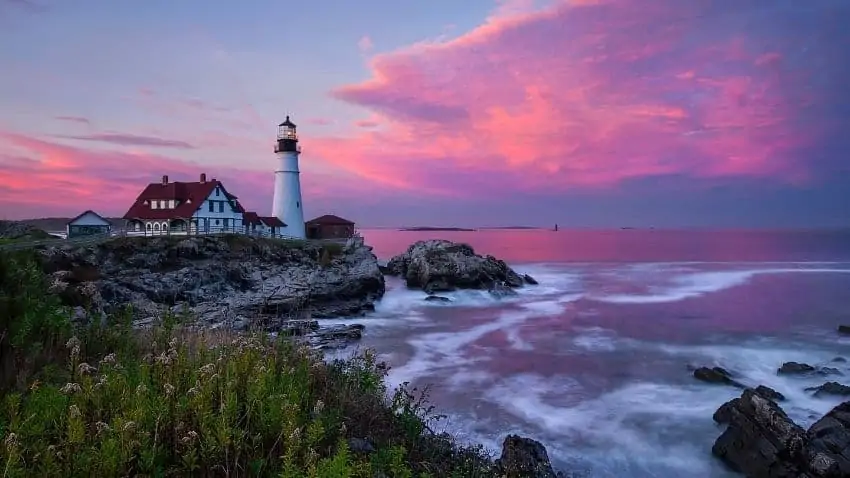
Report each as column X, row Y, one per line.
column 600, row 113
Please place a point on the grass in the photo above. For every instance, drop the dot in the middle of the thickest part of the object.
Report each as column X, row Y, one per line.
column 105, row 400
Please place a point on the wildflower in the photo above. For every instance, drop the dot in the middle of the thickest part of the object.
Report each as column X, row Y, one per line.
column 73, row 345
column 207, row 369
column 72, row 342
column 320, row 405
column 101, row 428
column 296, row 434
column 169, row 389
column 71, row 388
column 141, row 389
column 85, row 369
column 74, row 411
column 190, row 437
column 100, row 382
column 35, row 385
column 192, row 392
column 11, row 441
column 163, row 359
column 108, row 359
column 129, row 426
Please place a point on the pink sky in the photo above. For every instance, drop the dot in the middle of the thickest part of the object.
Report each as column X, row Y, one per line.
column 537, row 107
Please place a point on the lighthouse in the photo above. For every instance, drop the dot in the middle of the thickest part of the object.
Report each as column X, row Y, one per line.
column 287, row 205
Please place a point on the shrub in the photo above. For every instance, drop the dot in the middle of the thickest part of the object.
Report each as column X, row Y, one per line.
column 103, row 399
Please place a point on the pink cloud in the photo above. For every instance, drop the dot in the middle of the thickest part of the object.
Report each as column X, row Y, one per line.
column 40, row 178
column 579, row 95
column 367, row 123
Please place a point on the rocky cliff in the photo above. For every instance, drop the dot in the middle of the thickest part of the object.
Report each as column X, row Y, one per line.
column 234, row 280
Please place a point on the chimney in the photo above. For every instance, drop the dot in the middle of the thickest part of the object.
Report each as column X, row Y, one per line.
column 203, row 178
column 164, row 180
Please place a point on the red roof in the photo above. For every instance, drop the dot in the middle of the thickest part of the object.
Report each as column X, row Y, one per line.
column 272, row 221
column 253, row 218
column 250, row 218
column 330, row 220
column 190, row 196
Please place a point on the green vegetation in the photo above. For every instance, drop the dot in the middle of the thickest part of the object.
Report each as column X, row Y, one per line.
column 105, row 400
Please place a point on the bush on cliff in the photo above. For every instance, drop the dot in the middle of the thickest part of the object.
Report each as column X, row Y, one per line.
column 105, row 400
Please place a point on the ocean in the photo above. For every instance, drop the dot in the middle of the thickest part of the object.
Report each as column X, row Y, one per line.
column 594, row 361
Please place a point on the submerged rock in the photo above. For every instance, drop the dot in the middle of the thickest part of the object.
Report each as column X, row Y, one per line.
column 717, row 375
column 844, row 329
column 796, row 368
column 440, row 266
column 760, row 440
column 437, row 298
column 830, row 388
column 524, row 458
column 529, row 280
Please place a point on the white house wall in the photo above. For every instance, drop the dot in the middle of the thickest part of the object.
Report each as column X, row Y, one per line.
column 214, row 218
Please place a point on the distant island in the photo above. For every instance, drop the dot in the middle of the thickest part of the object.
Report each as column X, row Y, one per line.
column 429, row 228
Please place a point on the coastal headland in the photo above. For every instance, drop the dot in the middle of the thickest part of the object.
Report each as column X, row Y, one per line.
column 148, row 340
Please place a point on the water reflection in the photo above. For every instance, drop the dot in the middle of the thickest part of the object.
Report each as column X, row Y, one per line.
column 633, row 245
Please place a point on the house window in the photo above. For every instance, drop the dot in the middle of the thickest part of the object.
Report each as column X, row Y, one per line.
column 216, row 192
column 221, row 206
column 217, row 222
column 148, row 226
column 212, row 206
column 226, row 223
column 156, row 227
column 154, row 204
column 297, row 204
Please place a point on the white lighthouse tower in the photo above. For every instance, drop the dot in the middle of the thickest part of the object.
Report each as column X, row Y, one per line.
column 288, row 206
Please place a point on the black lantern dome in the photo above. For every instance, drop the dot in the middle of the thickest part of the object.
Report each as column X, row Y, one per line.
column 287, row 137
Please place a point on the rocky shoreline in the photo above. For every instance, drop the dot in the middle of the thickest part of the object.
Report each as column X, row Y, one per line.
column 287, row 287
column 760, row 440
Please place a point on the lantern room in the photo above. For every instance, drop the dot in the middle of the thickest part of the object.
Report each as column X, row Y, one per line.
column 287, row 137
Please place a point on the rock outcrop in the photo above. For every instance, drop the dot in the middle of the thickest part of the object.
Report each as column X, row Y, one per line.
column 524, row 457
column 440, row 266
column 762, row 441
column 234, row 280
column 796, row 368
column 716, row 375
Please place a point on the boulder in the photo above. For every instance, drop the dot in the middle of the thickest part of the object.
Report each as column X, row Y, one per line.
column 830, row 388
column 716, row 375
column 440, row 266
column 524, row 458
column 760, row 440
column 769, row 393
column 795, row 368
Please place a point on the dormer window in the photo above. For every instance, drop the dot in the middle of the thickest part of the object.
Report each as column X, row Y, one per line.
column 154, row 204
